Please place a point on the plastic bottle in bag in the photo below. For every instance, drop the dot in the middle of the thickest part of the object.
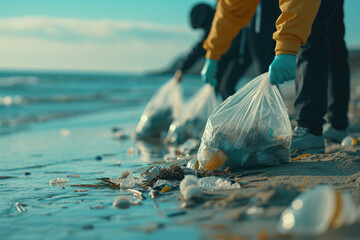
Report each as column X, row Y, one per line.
column 251, row 128
column 192, row 120
column 161, row 110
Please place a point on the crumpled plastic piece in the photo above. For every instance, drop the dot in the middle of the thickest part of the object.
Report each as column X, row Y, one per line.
column 163, row 183
column 124, row 183
column 207, row 183
column 150, row 174
column 250, row 129
column 58, row 181
column 215, row 183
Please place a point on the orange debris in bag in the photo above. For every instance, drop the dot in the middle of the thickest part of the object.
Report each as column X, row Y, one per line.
column 216, row 161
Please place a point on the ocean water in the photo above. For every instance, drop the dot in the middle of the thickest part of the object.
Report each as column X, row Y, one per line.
column 27, row 98
column 35, row 110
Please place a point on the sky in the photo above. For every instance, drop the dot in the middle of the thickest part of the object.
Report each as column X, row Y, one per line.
column 106, row 35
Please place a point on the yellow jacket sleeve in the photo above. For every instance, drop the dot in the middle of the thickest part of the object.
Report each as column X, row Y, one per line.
column 230, row 17
column 293, row 25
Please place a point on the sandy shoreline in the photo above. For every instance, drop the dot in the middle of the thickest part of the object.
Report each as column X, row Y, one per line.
column 251, row 212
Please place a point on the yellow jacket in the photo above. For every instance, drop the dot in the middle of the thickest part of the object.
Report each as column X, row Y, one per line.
column 293, row 25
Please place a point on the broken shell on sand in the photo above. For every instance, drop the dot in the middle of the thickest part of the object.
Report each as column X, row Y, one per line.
column 122, row 202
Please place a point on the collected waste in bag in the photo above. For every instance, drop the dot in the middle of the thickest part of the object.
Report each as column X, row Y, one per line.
column 249, row 129
column 192, row 120
column 315, row 211
column 161, row 110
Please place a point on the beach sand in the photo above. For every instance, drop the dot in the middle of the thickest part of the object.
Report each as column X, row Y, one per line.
column 83, row 148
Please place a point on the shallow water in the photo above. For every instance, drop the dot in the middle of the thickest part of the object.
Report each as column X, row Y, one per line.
column 32, row 143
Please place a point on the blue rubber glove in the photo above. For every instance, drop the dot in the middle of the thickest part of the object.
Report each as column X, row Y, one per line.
column 282, row 68
column 209, row 71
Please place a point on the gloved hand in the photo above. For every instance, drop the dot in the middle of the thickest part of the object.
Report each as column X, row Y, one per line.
column 209, row 71
column 282, row 68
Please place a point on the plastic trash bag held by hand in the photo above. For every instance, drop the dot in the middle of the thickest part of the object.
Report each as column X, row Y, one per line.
column 209, row 71
column 192, row 120
column 164, row 106
column 248, row 130
column 282, row 68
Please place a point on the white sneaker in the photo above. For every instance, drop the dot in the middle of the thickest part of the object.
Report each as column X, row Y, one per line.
column 333, row 134
column 303, row 142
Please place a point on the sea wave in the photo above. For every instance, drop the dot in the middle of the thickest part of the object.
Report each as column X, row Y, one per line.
column 18, row 81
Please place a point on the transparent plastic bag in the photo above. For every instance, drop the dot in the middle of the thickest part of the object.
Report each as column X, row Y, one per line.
column 161, row 110
column 192, row 120
column 250, row 129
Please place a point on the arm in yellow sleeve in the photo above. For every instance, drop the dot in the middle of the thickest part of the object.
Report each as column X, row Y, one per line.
column 230, row 17
column 294, row 24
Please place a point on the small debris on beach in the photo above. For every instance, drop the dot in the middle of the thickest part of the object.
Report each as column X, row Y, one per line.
column 124, row 183
column 80, row 190
column 175, row 172
column 97, row 207
column 153, row 194
column 149, row 228
column 166, row 189
column 300, row 157
column 315, row 211
column 7, row 177
column 58, row 181
column 263, row 235
column 122, row 202
column 87, row 185
column 137, row 194
column 150, row 174
column 121, row 136
column 115, row 129
column 193, row 164
column 88, row 227
column 124, row 175
column 133, row 151
column 73, row 176
column 117, row 164
column 349, row 141
column 215, row 183
column 194, row 193
column 64, row 132
column 20, row 207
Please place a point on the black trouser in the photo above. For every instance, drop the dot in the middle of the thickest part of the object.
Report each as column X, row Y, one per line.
column 323, row 57
column 232, row 68
column 256, row 48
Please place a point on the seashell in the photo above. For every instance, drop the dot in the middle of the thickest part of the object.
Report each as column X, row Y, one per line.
column 122, row 202
column 124, row 175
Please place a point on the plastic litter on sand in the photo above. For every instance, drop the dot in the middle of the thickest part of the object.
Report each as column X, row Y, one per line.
column 58, row 181
column 315, row 211
column 349, row 141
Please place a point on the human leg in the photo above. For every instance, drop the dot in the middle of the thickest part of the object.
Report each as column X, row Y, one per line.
column 313, row 66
